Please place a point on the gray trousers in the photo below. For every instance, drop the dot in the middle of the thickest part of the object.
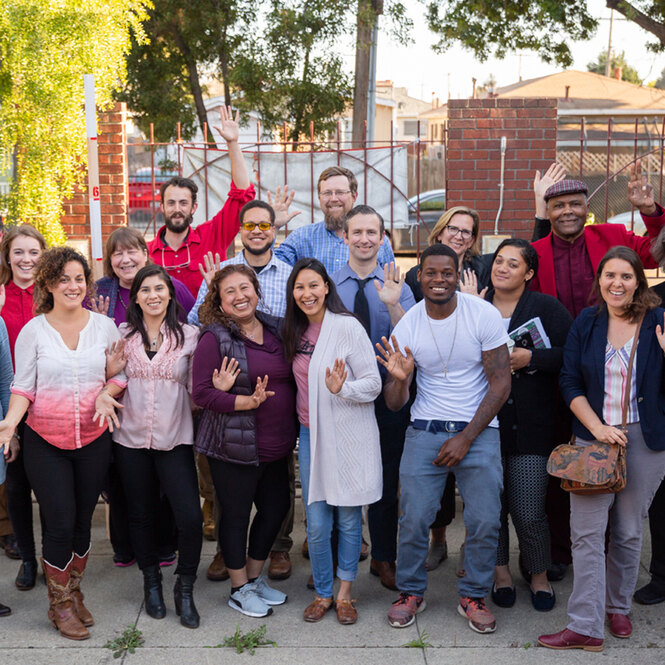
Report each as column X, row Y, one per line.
column 606, row 583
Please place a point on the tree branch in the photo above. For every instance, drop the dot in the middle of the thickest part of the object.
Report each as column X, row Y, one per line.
column 636, row 16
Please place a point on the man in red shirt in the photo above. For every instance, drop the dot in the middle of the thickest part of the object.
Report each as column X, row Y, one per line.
column 179, row 247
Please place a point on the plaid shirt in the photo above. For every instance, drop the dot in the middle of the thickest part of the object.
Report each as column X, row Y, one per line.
column 316, row 241
column 272, row 280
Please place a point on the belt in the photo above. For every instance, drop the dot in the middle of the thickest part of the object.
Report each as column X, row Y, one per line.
column 439, row 425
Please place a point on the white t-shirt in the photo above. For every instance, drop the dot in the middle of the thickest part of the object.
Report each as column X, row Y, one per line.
column 457, row 395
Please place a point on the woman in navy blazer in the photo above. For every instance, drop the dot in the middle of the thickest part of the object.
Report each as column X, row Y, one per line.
column 593, row 383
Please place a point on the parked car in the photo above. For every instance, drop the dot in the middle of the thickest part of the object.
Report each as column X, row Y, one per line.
column 638, row 227
column 405, row 234
column 144, row 200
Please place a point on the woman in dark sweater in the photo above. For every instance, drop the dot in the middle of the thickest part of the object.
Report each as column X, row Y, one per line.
column 247, row 452
column 527, row 419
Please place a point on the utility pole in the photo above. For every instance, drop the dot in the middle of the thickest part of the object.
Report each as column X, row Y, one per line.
column 608, row 62
column 368, row 16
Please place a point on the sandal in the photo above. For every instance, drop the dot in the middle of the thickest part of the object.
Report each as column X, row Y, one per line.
column 346, row 612
column 314, row 611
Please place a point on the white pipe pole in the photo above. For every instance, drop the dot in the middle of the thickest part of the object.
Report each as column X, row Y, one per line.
column 94, row 201
column 501, row 184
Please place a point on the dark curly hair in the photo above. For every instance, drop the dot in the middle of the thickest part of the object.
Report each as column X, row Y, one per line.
column 211, row 309
column 49, row 269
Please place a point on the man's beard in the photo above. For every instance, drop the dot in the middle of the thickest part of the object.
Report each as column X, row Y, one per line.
column 334, row 224
column 178, row 226
column 257, row 251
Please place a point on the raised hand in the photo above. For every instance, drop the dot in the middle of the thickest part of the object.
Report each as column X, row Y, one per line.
column 469, row 284
column 640, row 192
column 210, row 266
column 335, row 378
column 391, row 289
column 105, row 407
column 100, row 305
column 224, row 377
column 541, row 183
column 260, row 393
column 115, row 359
column 397, row 364
column 281, row 203
column 229, row 128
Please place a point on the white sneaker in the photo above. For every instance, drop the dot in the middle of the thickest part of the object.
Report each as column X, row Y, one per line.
column 247, row 600
column 267, row 594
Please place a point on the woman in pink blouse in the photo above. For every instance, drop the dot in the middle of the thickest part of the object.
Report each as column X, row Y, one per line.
column 61, row 382
column 153, row 444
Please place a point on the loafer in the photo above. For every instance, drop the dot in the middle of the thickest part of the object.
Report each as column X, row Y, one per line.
column 542, row 601
column 557, row 571
column 364, row 550
column 385, row 571
column 27, row 575
column 620, row 625
column 4, row 610
column 504, row 596
column 346, row 612
column 650, row 594
column 217, row 571
column 568, row 639
column 316, row 610
column 280, row 566
column 11, row 547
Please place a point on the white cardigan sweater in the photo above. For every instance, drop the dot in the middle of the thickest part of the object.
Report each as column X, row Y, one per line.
column 345, row 455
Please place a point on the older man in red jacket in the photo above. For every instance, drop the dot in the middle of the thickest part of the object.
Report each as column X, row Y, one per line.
column 569, row 255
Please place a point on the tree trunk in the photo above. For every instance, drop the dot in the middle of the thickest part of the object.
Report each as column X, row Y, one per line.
column 361, row 87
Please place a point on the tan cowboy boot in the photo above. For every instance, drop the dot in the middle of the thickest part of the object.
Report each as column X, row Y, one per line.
column 78, row 566
column 61, row 606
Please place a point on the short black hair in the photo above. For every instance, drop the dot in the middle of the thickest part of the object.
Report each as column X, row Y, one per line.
column 363, row 210
column 256, row 203
column 439, row 249
column 178, row 181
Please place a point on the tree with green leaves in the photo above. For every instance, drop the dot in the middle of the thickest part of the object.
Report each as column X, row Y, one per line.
column 547, row 27
column 628, row 73
column 45, row 49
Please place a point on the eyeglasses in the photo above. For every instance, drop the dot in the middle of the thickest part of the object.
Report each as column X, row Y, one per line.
column 338, row 193
column 250, row 226
column 454, row 230
column 178, row 266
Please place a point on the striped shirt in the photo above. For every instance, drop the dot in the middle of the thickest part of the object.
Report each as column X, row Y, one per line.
column 272, row 280
column 616, row 371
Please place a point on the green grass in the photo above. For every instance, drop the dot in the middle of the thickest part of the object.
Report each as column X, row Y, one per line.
column 249, row 641
column 130, row 640
column 419, row 642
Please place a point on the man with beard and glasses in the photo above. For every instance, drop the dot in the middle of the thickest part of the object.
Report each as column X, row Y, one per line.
column 338, row 190
column 459, row 346
column 178, row 246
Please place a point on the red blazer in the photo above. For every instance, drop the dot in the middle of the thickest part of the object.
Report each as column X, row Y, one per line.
column 598, row 238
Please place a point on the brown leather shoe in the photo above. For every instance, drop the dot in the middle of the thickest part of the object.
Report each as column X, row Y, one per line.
column 314, row 611
column 208, row 521
column 61, row 605
column 385, row 571
column 217, row 571
column 280, row 566
column 346, row 612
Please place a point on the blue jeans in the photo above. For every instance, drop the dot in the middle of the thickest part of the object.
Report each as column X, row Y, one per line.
column 480, row 480
column 320, row 516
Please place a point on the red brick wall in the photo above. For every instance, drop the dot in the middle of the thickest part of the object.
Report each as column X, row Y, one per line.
column 112, row 180
column 475, row 128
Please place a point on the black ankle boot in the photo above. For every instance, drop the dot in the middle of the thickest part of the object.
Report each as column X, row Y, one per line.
column 183, row 596
column 27, row 575
column 152, row 592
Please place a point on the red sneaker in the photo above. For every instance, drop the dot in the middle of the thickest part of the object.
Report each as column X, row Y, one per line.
column 480, row 618
column 404, row 610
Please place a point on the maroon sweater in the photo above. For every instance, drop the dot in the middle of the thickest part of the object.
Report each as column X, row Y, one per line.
column 276, row 420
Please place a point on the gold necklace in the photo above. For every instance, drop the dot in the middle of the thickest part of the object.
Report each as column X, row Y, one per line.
column 452, row 346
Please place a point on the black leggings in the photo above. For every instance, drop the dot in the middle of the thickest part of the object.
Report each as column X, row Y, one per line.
column 67, row 484
column 238, row 486
column 143, row 471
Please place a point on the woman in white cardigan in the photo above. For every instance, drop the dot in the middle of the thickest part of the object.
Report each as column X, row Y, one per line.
column 340, row 459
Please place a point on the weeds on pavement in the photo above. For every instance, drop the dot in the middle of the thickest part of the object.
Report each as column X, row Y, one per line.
column 249, row 641
column 129, row 641
column 419, row 642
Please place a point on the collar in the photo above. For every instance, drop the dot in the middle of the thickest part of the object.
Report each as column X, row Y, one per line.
column 560, row 243
column 347, row 272
column 270, row 264
column 191, row 237
column 13, row 287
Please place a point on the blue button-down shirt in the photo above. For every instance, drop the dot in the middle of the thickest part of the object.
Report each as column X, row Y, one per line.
column 316, row 241
column 272, row 280
column 379, row 318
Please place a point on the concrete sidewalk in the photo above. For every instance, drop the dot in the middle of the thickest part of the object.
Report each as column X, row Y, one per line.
column 114, row 596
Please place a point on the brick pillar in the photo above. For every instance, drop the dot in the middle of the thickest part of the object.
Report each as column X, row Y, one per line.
column 475, row 128
column 112, row 182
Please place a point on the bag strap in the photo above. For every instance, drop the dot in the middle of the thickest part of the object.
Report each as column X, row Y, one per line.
column 626, row 395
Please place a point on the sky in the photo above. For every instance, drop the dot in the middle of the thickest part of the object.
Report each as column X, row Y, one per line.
column 427, row 74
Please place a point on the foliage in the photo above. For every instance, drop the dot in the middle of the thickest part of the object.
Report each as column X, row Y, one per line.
column 130, row 640
column 660, row 81
column 420, row 642
column 250, row 640
column 45, row 49
column 618, row 60
column 547, row 27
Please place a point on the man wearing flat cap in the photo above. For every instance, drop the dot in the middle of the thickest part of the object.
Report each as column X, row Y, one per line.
column 569, row 255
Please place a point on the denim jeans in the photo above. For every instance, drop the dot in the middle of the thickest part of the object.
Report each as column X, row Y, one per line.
column 480, row 480
column 320, row 516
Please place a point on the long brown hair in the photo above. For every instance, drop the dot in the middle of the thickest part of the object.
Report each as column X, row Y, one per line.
column 11, row 234
column 644, row 298
column 211, row 309
column 444, row 220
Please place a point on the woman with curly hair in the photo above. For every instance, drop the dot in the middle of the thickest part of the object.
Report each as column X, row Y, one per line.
column 61, row 382
column 247, row 429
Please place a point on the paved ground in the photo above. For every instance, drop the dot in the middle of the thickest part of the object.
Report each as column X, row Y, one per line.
column 114, row 597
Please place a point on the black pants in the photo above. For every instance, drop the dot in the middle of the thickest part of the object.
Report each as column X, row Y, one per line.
column 67, row 484
column 239, row 486
column 657, row 528
column 143, row 471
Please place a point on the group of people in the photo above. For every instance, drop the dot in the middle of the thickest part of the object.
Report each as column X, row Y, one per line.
column 178, row 371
